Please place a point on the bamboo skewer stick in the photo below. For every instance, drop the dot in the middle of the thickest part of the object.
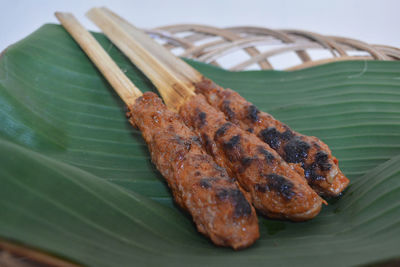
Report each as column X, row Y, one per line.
column 173, row 88
column 118, row 80
column 164, row 55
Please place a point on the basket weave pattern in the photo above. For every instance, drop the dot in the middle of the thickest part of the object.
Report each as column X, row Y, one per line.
column 209, row 44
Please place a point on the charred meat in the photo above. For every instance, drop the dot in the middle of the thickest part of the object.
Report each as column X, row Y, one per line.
column 275, row 188
column 313, row 157
column 219, row 207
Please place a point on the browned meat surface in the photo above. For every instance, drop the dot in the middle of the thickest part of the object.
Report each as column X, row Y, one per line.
column 313, row 157
column 275, row 188
column 219, row 207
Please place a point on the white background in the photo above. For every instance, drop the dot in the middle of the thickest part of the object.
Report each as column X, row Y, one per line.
column 370, row 21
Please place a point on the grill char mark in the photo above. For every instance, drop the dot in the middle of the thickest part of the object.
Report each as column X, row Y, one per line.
column 236, row 197
column 186, row 142
column 246, row 162
column 207, row 143
column 233, row 149
column 296, row 150
column 274, row 138
column 252, row 113
column 278, row 184
column 226, row 107
column 267, row 155
column 314, row 171
column 202, row 119
column 232, row 143
column 207, row 182
column 321, row 159
column 222, row 130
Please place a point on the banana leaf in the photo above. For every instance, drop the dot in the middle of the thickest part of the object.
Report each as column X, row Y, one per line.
column 76, row 179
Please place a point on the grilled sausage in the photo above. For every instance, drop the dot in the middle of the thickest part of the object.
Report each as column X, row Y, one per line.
column 275, row 188
column 219, row 207
column 313, row 157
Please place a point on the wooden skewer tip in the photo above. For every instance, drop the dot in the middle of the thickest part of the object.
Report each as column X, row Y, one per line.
column 172, row 85
column 110, row 70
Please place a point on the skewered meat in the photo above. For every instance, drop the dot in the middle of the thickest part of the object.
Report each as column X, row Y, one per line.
column 219, row 207
column 313, row 158
column 276, row 189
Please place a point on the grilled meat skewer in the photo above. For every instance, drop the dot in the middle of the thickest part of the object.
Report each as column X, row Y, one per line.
column 261, row 178
column 200, row 186
column 219, row 208
column 313, row 156
column 276, row 189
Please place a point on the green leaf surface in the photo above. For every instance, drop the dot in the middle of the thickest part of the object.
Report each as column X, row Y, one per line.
column 77, row 182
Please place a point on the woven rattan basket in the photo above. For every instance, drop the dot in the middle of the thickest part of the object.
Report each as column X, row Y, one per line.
column 259, row 45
